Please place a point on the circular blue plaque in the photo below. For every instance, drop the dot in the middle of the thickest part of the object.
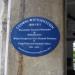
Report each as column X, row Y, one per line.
column 35, row 36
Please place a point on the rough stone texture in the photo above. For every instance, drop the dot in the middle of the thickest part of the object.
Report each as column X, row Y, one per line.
column 2, row 52
column 51, row 64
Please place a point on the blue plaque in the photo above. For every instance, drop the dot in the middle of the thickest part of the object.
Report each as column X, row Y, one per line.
column 35, row 36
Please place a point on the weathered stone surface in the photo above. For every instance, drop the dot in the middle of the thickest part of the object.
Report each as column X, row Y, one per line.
column 2, row 53
column 51, row 64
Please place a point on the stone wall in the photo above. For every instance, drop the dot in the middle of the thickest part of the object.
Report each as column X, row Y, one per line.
column 51, row 64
